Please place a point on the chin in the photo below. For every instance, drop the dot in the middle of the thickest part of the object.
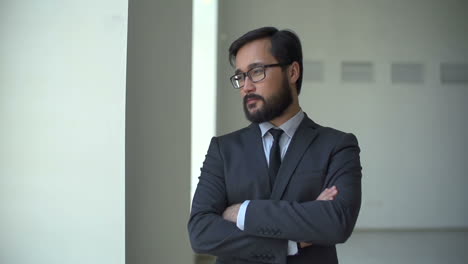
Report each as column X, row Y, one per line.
column 254, row 109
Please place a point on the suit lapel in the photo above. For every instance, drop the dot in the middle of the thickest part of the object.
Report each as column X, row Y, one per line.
column 305, row 134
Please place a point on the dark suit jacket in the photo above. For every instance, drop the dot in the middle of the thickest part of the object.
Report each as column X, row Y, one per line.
column 235, row 170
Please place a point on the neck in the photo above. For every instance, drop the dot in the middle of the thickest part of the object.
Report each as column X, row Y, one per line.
column 291, row 111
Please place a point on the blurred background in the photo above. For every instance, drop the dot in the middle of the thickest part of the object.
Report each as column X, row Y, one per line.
column 107, row 109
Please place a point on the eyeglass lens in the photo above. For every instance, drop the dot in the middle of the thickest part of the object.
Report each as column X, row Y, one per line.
column 255, row 75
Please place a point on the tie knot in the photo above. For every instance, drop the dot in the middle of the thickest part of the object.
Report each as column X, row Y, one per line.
column 276, row 133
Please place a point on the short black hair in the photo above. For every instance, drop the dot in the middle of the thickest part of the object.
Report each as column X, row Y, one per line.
column 285, row 47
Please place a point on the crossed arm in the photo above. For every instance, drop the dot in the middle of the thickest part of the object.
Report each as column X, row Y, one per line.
column 212, row 225
column 231, row 213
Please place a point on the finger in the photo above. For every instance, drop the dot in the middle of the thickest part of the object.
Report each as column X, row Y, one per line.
column 324, row 194
column 333, row 194
column 328, row 194
column 324, row 197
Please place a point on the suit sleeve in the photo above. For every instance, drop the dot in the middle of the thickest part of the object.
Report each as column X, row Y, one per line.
column 210, row 234
column 316, row 222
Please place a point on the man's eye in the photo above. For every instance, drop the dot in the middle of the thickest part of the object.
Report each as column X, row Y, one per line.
column 256, row 71
column 238, row 77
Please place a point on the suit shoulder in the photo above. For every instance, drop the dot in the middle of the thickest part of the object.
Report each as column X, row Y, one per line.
column 331, row 131
column 233, row 135
column 335, row 135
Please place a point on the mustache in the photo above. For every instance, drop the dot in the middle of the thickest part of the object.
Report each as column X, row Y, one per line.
column 253, row 96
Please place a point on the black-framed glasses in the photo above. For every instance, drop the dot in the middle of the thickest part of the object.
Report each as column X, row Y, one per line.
column 255, row 74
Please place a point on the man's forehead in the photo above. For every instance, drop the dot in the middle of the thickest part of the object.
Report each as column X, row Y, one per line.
column 255, row 53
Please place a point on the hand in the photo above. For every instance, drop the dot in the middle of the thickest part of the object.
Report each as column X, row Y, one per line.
column 304, row 244
column 231, row 213
column 327, row 195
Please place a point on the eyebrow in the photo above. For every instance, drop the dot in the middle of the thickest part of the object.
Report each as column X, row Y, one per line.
column 252, row 65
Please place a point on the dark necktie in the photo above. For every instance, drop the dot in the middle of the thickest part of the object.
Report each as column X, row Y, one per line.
column 275, row 155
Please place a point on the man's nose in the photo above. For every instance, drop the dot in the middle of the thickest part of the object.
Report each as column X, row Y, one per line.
column 249, row 86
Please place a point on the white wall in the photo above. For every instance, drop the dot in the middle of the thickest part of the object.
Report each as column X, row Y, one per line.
column 413, row 136
column 62, row 115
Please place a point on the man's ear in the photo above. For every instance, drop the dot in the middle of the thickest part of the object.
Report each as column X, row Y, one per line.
column 294, row 72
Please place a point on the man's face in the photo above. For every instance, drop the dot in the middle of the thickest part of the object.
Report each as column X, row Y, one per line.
column 269, row 98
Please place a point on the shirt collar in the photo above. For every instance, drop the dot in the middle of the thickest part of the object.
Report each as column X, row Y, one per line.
column 289, row 127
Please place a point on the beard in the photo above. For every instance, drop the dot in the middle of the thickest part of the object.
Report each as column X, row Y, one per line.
column 273, row 106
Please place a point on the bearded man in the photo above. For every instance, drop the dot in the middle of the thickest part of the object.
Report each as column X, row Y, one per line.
column 284, row 189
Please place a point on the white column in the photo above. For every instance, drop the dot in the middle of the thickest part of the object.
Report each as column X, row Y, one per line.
column 204, row 58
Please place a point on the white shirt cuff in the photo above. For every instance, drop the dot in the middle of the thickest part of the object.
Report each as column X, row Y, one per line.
column 292, row 248
column 241, row 215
